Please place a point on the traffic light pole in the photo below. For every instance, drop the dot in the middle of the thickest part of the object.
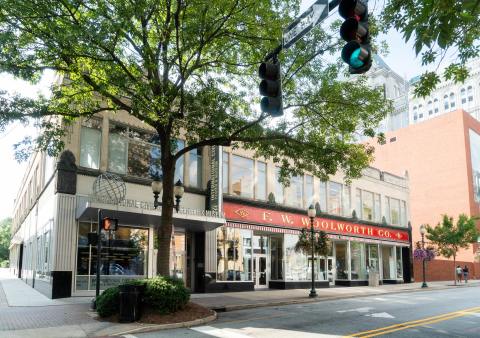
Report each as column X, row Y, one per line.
column 274, row 54
column 99, row 244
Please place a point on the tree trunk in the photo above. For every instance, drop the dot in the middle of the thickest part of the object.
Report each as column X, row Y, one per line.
column 164, row 230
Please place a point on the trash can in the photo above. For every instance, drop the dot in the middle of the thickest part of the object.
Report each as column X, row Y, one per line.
column 130, row 302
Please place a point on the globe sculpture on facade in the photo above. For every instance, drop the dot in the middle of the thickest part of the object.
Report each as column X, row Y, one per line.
column 109, row 188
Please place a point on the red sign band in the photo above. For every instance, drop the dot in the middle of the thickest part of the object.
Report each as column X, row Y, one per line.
column 239, row 212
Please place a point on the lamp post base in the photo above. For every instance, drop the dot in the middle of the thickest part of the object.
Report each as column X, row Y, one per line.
column 312, row 293
column 424, row 285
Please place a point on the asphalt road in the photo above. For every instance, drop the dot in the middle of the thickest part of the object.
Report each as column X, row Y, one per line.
column 441, row 313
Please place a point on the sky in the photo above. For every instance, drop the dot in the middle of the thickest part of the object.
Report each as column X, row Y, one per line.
column 401, row 59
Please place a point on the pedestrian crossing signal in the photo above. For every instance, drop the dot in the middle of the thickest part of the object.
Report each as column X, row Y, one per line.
column 110, row 224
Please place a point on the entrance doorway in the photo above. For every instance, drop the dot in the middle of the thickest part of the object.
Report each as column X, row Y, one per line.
column 260, row 271
column 327, row 270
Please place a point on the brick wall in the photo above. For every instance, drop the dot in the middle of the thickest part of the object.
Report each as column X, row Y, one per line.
column 440, row 269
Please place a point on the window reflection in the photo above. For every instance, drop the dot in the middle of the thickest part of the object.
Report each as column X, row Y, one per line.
column 242, row 176
column 234, row 253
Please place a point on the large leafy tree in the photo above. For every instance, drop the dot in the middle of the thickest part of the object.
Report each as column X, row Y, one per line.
column 438, row 27
column 5, row 238
column 449, row 237
column 188, row 65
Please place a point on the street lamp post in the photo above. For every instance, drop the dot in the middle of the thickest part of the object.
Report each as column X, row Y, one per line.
column 311, row 214
column 157, row 187
column 423, row 230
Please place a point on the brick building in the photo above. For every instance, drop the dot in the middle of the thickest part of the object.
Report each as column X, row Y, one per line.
column 442, row 158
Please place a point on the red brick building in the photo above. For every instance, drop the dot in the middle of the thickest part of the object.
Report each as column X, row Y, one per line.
column 442, row 158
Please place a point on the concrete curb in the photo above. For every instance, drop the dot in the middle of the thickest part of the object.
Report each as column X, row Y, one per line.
column 229, row 308
column 158, row 327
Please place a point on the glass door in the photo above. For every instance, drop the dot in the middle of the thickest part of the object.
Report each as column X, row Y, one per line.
column 260, row 275
column 330, row 271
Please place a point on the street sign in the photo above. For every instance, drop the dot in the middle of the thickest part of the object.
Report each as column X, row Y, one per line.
column 315, row 14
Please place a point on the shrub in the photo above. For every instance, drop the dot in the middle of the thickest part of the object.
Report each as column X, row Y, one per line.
column 4, row 264
column 165, row 294
column 108, row 302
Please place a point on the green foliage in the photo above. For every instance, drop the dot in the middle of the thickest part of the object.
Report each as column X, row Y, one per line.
column 321, row 243
column 190, row 65
column 449, row 238
column 437, row 26
column 5, row 237
column 108, row 302
column 4, row 264
column 166, row 294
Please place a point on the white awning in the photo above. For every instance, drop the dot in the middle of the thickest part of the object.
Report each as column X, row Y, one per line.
column 131, row 212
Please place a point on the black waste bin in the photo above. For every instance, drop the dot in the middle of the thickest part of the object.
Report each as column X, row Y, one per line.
column 130, row 302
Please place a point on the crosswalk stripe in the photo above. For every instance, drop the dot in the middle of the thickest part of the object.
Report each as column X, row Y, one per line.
column 220, row 333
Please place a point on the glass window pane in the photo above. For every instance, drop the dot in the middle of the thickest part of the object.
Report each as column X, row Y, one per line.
column 295, row 191
column 138, row 159
column 279, row 188
column 309, row 195
column 394, row 211
column 242, row 176
column 117, row 153
column 378, row 208
column 372, row 258
column 323, row 196
column 399, row 262
column 90, row 144
column 155, row 169
column 341, row 260
column 346, row 201
column 180, row 162
column 234, row 254
column 334, row 198
column 261, row 187
column 403, row 213
column 367, row 205
column 296, row 263
column 225, row 172
column 388, row 262
column 195, row 168
column 358, row 203
column 276, row 260
column 359, row 268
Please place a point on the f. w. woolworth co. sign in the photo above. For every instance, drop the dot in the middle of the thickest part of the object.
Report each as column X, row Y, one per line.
column 248, row 214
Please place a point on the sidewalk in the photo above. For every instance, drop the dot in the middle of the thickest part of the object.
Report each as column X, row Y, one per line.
column 24, row 312
column 231, row 301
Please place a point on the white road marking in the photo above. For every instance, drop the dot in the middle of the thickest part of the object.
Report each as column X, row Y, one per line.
column 380, row 315
column 129, row 336
column 360, row 309
column 220, row 333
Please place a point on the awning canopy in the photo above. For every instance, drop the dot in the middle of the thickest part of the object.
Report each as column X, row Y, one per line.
column 143, row 213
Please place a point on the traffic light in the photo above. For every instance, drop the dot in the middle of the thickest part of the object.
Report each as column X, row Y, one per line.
column 109, row 224
column 357, row 53
column 271, row 88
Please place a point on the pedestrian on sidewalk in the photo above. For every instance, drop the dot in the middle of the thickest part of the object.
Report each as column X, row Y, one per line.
column 465, row 274
column 459, row 272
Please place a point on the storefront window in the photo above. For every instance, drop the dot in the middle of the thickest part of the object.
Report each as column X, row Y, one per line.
column 124, row 256
column 242, row 176
column 388, row 262
column 334, row 198
column 359, row 268
column 261, row 186
column 234, row 254
column 341, row 260
column 296, row 263
column 276, row 258
column 372, row 258
column 177, row 252
column 399, row 262
column 295, row 192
